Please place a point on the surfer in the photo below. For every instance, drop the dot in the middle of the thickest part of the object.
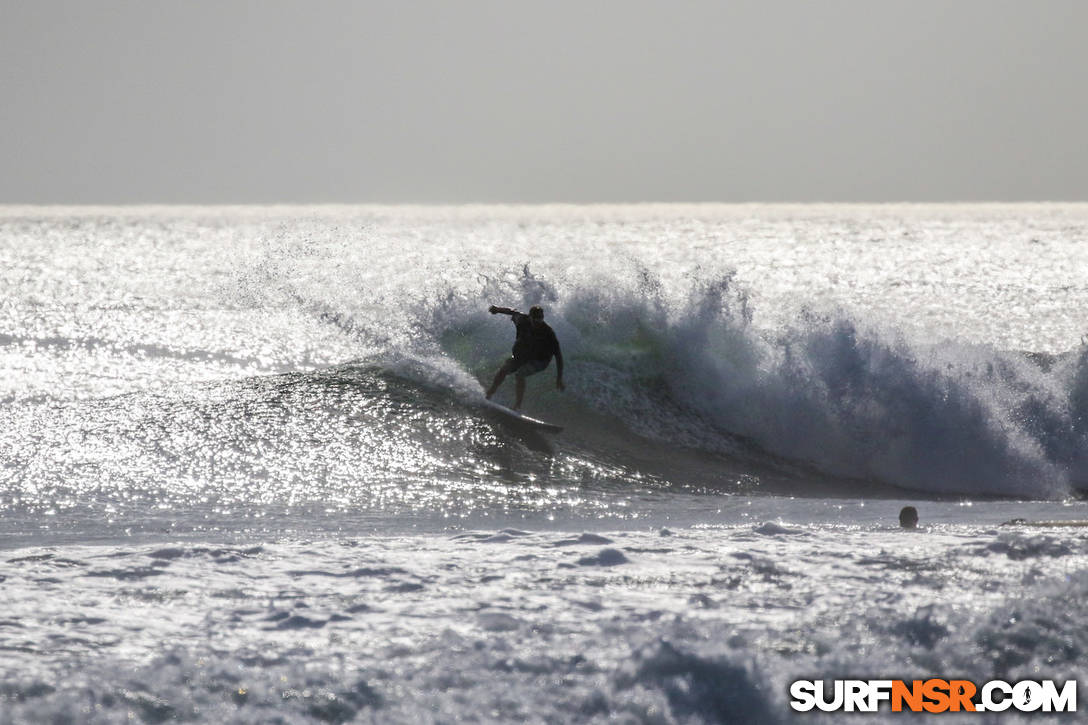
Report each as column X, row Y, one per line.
column 533, row 350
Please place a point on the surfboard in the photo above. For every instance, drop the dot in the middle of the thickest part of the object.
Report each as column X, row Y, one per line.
column 521, row 418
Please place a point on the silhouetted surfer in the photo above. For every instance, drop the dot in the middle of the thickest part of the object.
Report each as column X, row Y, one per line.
column 533, row 350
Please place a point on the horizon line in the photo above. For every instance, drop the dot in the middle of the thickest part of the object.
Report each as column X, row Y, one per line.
column 454, row 204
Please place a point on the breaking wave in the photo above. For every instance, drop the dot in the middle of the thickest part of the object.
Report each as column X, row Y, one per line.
column 682, row 363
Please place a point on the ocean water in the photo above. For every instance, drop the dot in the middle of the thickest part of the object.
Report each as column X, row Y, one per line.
column 245, row 475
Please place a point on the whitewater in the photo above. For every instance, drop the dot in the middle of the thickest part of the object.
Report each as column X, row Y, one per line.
column 247, row 475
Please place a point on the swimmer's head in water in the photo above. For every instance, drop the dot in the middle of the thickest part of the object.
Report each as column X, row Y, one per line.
column 908, row 517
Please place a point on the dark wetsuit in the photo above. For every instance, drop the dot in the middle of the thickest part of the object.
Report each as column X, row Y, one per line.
column 533, row 348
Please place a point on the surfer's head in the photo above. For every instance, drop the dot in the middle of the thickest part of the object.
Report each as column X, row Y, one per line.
column 908, row 517
column 536, row 314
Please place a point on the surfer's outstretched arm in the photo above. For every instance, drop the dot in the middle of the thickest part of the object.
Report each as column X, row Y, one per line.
column 501, row 310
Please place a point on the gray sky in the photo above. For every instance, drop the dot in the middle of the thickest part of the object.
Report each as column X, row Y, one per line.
column 272, row 101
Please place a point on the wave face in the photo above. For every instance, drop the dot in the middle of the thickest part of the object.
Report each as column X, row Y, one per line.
column 824, row 391
column 340, row 359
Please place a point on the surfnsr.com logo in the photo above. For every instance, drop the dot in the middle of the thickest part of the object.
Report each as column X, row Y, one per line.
column 934, row 695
